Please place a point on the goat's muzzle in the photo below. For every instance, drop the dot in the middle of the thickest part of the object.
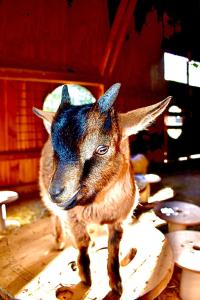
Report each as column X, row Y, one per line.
column 58, row 196
column 55, row 192
column 69, row 203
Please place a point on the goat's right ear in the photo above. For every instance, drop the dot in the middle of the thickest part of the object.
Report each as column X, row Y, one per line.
column 139, row 119
column 46, row 116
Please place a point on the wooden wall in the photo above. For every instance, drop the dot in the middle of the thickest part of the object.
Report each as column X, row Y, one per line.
column 51, row 35
column 44, row 43
column 21, row 134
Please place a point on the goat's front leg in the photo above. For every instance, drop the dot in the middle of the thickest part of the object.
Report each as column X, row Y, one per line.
column 79, row 290
column 82, row 241
column 115, row 235
column 59, row 232
column 84, row 265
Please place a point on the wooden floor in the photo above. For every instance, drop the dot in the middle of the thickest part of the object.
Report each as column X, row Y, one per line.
column 25, row 252
column 32, row 270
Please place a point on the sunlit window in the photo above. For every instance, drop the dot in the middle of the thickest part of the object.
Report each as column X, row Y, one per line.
column 174, row 123
column 175, row 68
column 174, row 109
column 78, row 94
column 180, row 69
column 194, row 73
column 195, row 156
column 174, row 133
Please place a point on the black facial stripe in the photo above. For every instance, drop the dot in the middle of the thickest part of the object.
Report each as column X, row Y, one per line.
column 68, row 128
column 87, row 168
column 107, row 126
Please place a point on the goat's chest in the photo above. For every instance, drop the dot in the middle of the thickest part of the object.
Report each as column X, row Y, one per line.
column 115, row 207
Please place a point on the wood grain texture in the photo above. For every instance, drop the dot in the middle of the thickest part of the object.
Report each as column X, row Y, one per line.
column 33, row 270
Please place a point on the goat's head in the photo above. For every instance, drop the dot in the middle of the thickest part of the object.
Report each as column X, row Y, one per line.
column 87, row 143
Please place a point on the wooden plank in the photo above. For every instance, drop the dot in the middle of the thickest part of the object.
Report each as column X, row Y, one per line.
column 53, row 36
column 117, row 36
column 16, row 155
column 49, row 77
column 19, row 172
column 4, row 121
column 20, row 247
column 33, row 270
column 113, row 35
column 122, row 34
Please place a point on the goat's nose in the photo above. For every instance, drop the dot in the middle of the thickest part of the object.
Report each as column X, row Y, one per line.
column 55, row 191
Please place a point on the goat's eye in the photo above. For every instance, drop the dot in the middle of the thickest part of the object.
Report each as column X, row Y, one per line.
column 101, row 149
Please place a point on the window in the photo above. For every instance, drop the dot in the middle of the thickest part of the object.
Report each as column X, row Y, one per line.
column 174, row 122
column 194, row 73
column 180, row 69
column 175, row 68
column 79, row 95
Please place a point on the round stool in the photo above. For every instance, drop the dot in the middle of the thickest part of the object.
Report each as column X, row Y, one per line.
column 144, row 187
column 186, row 249
column 146, row 267
column 152, row 178
column 5, row 198
column 178, row 214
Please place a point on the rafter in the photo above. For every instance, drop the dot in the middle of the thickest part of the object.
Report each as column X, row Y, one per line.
column 49, row 76
column 113, row 35
column 117, row 36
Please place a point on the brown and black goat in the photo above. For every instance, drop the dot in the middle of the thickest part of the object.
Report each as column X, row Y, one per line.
column 85, row 172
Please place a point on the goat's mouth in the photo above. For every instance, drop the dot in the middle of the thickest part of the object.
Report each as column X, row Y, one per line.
column 69, row 203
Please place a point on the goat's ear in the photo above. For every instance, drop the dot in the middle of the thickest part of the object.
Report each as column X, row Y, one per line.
column 46, row 116
column 65, row 98
column 107, row 100
column 139, row 119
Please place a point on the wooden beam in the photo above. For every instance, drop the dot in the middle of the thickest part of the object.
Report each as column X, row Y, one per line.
column 38, row 276
column 22, row 154
column 122, row 34
column 49, row 76
column 117, row 36
column 113, row 35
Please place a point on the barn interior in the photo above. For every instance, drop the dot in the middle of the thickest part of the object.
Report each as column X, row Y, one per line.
column 151, row 48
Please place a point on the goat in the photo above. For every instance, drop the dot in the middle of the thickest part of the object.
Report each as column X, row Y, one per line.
column 85, row 172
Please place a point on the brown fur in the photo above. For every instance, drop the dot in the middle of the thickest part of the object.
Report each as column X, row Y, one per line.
column 113, row 191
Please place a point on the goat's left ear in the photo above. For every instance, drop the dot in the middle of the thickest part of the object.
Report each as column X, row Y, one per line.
column 45, row 115
column 139, row 119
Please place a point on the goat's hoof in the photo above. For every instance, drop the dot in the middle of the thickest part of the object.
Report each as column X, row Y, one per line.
column 64, row 293
column 76, row 291
column 60, row 245
column 128, row 258
column 112, row 295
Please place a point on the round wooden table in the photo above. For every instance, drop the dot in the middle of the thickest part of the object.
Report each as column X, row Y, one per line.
column 5, row 198
column 144, row 275
column 144, row 187
column 178, row 214
column 186, row 250
column 144, row 182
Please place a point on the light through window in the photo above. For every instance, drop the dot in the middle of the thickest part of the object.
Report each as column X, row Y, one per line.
column 180, row 69
column 174, row 122
column 78, row 94
column 175, row 68
column 194, row 73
